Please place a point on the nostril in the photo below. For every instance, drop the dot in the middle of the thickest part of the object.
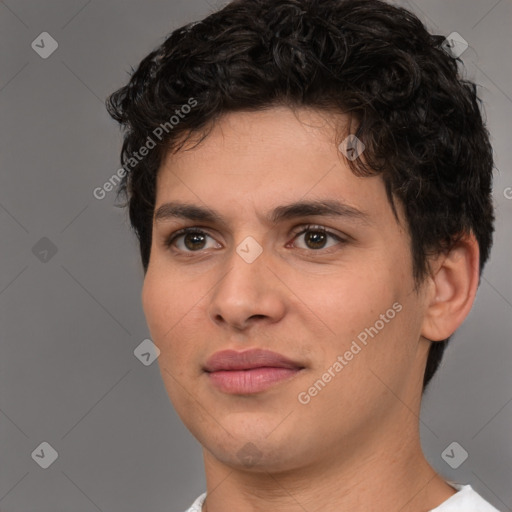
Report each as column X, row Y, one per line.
column 257, row 316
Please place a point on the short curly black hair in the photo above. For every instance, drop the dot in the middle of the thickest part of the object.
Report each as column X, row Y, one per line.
column 419, row 119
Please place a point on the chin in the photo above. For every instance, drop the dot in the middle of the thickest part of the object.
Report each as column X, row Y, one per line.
column 265, row 452
column 256, row 459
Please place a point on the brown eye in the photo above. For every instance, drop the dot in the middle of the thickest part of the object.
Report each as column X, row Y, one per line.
column 316, row 238
column 190, row 240
column 194, row 241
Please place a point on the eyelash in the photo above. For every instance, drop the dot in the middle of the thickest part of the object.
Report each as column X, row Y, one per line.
column 297, row 232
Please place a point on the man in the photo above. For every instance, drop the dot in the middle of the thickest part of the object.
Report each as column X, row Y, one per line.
column 310, row 183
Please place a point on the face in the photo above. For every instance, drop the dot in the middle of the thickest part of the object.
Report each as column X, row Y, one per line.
column 268, row 265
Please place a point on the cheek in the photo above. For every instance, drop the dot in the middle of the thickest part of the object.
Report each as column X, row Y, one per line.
column 369, row 312
column 168, row 304
column 351, row 303
column 171, row 309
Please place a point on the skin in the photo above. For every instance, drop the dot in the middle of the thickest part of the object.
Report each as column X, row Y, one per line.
column 355, row 446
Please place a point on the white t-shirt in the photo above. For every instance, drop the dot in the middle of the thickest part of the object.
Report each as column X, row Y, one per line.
column 465, row 500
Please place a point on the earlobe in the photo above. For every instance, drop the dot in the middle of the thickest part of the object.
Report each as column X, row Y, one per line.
column 453, row 287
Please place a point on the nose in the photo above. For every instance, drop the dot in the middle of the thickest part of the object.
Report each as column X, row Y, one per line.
column 248, row 293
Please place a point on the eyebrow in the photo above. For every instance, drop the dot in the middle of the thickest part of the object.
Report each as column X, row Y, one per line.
column 324, row 208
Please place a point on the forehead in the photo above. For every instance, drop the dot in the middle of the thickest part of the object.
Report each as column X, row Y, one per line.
column 258, row 160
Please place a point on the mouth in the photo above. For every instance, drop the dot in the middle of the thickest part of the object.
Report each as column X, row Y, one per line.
column 248, row 372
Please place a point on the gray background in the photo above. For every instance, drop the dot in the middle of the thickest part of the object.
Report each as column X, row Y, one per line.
column 70, row 324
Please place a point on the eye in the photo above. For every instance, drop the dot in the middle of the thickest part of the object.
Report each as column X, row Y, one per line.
column 190, row 240
column 316, row 237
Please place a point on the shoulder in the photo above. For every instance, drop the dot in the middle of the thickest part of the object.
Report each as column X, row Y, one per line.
column 198, row 504
column 465, row 500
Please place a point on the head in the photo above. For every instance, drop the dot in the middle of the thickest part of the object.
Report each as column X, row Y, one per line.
column 244, row 112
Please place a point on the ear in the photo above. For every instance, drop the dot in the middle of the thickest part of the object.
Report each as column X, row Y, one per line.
column 452, row 289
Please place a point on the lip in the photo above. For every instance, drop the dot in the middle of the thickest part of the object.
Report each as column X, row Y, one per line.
column 250, row 371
